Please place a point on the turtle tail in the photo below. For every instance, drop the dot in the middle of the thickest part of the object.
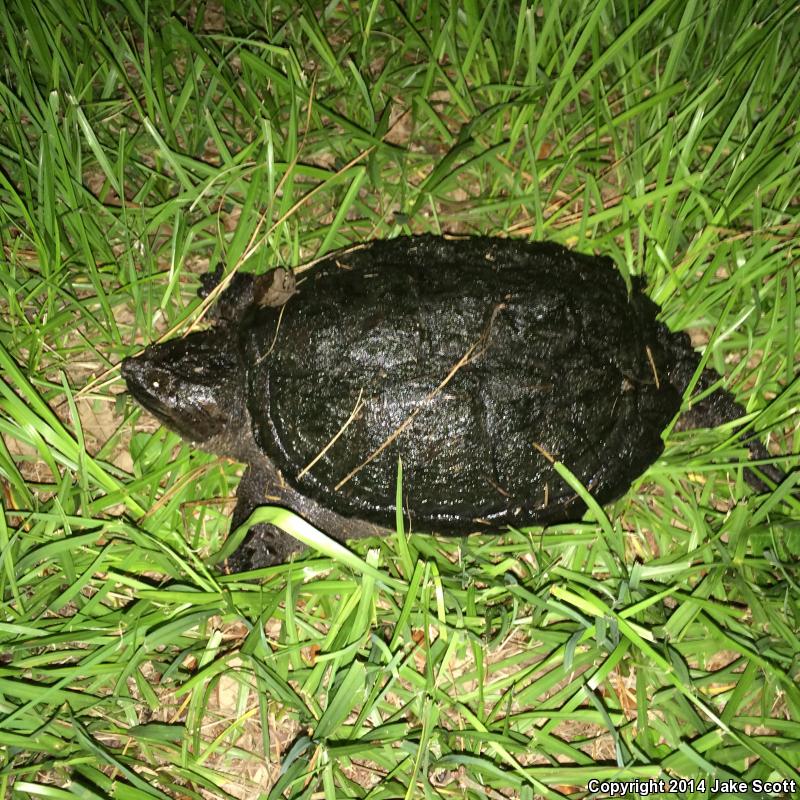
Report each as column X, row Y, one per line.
column 716, row 408
column 720, row 407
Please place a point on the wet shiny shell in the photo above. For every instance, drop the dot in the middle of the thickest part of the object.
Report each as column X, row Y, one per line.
column 478, row 363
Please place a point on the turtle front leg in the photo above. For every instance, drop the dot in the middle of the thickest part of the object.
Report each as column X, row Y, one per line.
column 245, row 291
column 265, row 545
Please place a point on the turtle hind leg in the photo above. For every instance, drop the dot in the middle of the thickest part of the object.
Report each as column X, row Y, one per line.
column 264, row 545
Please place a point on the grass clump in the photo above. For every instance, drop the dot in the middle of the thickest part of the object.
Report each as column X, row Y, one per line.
column 142, row 145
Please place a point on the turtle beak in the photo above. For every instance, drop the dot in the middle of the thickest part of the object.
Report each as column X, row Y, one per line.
column 134, row 371
column 131, row 371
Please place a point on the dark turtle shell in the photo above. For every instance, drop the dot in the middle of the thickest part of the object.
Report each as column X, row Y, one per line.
column 478, row 362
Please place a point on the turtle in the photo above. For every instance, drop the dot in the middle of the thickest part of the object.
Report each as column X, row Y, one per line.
column 476, row 362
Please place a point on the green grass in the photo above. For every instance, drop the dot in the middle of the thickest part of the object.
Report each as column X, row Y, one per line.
column 143, row 144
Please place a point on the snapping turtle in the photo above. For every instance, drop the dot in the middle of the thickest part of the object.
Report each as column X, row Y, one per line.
column 478, row 361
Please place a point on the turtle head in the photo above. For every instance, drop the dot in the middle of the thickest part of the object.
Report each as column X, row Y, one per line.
column 194, row 386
